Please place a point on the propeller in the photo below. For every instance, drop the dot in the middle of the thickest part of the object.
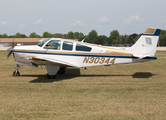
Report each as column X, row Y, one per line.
column 11, row 51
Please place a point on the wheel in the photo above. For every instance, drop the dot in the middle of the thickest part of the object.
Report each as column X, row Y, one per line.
column 16, row 73
column 62, row 70
column 51, row 76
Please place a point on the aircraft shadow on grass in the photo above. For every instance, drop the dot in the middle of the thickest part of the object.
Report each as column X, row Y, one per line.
column 72, row 73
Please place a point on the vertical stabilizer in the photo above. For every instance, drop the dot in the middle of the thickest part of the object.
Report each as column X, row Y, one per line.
column 147, row 43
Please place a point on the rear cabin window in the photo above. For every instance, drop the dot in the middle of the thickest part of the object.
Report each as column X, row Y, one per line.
column 80, row 47
column 67, row 45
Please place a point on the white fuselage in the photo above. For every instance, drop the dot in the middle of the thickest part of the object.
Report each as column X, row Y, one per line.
column 75, row 57
column 57, row 54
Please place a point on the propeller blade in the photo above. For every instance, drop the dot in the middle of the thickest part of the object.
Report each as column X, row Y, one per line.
column 14, row 56
column 11, row 51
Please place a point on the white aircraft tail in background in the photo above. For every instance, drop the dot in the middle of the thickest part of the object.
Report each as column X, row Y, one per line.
column 57, row 54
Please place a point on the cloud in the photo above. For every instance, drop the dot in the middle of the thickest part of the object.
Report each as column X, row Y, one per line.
column 96, row 26
column 103, row 19
column 38, row 21
column 3, row 22
column 132, row 18
column 164, row 20
column 21, row 26
column 77, row 23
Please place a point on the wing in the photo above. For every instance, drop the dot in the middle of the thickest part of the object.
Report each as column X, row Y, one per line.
column 49, row 61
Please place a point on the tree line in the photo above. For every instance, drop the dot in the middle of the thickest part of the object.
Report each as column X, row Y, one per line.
column 113, row 39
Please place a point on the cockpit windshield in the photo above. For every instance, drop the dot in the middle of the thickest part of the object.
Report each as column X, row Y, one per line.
column 40, row 44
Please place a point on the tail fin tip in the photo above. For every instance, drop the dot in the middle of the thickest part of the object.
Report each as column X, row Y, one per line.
column 152, row 31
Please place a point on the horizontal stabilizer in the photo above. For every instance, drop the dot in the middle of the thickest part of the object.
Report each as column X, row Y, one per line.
column 139, row 56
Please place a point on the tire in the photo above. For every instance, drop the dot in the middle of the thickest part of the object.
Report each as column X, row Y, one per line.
column 62, row 70
column 51, row 76
column 16, row 73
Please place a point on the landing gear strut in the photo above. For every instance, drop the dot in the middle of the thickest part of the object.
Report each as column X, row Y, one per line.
column 16, row 72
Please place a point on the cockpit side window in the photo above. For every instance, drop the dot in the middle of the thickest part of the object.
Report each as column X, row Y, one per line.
column 40, row 44
column 80, row 47
column 53, row 44
column 67, row 45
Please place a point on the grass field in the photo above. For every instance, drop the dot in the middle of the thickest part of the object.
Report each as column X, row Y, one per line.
column 119, row 92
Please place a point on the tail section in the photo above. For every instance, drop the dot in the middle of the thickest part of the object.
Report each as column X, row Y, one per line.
column 147, row 43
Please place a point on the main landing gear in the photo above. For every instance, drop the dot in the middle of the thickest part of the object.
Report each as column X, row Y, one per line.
column 53, row 70
column 51, row 76
column 62, row 70
column 16, row 72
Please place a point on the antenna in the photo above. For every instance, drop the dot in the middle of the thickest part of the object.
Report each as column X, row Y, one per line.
column 84, row 39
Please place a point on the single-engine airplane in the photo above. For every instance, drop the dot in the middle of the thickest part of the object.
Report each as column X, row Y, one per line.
column 57, row 54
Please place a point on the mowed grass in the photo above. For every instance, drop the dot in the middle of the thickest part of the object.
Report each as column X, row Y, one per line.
column 120, row 92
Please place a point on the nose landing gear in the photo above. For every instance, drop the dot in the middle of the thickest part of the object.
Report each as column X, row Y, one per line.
column 16, row 72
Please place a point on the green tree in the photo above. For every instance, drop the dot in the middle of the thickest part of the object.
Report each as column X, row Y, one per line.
column 114, row 37
column 18, row 35
column 58, row 35
column 102, row 39
column 122, row 40
column 116, row 41
column 137, row 37
column 130, row 40
column 4, row 35
column 65, row 35
column 80, row 36
column 70, row 35
column 76, row 35
column 23, row 36
column 162, row 38
column 34, row 35
column 47, row 35
column 92, row 37
column 126, row 37
column 11, row 36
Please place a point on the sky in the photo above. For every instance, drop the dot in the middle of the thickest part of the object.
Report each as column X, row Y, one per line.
column 63, row 16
